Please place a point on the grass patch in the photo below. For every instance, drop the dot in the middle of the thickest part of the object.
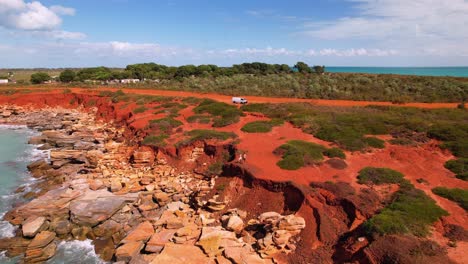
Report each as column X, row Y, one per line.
column 215, row 168
column 139, row 110
column 165, row 124
column 261, row 126
column 225, row 114
column 298, row 153
column 156, row 141
column 378, row 176
column 202, row 119
column 335, row 153
column 202, row 134
column 402, row 142
column 374, row 142
column 459, row 167
column 460, row 196
column 411, row 212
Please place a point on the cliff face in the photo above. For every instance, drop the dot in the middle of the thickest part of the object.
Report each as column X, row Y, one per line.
column 146, row 203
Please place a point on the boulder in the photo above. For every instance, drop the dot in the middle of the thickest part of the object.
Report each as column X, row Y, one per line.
column 269, row 217
column 292, row 223
column 42, row 239
column 116, row 185
column 158, row 240
column 33, row 225
column 127, row 251
column 214, row 239
column 182, row 254
column 141, row 233
column 235, row 224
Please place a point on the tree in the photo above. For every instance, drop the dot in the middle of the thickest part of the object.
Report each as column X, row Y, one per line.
column 319, row 69
column 67, row 76
column 39, row 77
column 302, row 67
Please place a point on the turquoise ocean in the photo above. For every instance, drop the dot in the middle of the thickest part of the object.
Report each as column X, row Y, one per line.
column 15, row 155
column 421, row 71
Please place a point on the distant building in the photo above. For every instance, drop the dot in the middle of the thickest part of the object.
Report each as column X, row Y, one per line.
column 130, row 81
column 4, row 81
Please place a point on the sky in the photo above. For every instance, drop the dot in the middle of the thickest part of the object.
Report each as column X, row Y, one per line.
column 115, row 33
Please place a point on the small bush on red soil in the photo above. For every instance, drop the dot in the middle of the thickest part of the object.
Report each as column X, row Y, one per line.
column 165, row 124
column 139, row 110
column 374, row 142
column 225, row 114
column 402, row 142
column 202, row 134
column 459, row 167
column 298, row 153
column 378, row 176
column 411, row 211
column 457, row 195
column 335, row 153
column 202, row 119
column 261, row 126
column 157, row 141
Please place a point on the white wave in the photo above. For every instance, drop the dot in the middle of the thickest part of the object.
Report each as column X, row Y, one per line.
column 6, row 229
column 14, row 127
column 75, row 252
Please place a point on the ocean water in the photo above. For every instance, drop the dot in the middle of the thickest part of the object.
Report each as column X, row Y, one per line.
column 15, row 155
column 421, row 71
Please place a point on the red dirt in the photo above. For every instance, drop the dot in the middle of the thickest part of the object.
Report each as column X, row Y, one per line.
column 425, row 161
column 257, row 99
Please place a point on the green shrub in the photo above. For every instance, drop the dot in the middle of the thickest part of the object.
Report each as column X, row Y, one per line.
column 261, row 126
column 457, row 195
column 165, row 124
column 139, row 110
column 298, row 153
column 411, row 211
column 202, row 119
column 402, row 141
column 379, row 176
column 374, row 142
column 215, row 168
column 157, row 141
column 202, row 134
column 335, row 153
column 225, row 114
column 457, row 165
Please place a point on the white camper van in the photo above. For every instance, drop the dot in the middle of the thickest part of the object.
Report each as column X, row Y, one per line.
column 239, row 100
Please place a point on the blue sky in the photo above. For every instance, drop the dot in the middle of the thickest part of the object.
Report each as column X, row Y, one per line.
column 77, row 33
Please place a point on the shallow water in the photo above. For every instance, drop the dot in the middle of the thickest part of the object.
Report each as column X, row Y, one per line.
column 15, row 155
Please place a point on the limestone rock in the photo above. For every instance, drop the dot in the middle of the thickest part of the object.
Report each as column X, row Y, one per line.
column 141, row 233
column 182, row 254
column 33, row 225
column 127, row 251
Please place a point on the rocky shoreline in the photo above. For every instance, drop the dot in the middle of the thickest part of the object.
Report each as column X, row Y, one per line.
column 133, row 205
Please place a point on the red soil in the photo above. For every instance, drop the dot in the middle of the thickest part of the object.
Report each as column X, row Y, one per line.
column 422, row 162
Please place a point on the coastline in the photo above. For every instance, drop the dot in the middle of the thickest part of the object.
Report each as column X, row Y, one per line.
column 132, row 205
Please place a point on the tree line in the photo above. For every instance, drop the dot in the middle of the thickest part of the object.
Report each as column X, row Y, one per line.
column 153, row 71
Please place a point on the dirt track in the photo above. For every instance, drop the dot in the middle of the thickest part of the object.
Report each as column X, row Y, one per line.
column 259, row 99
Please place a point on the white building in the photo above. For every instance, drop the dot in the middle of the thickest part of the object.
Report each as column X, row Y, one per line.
column 3, row 81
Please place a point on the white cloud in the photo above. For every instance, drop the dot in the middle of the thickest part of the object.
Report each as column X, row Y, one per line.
column 33, row 16
column 269, row 51
column 61, row 10
column 272, row 52
column 415, row 26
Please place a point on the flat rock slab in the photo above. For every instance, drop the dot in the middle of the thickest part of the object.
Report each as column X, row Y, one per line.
column 141, row 233
column 32, row 225
column 96, row 206
column 42, row 239
column 182, row 254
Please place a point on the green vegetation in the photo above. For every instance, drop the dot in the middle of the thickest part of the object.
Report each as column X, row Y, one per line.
column 224, row 114
column 349, row 126
column 261, row 126
column 67, row 76
column 156, row 141
column 165, row 124
column 411, row 211
column 39, row 77
column 457, row 195
column 215, row 168
column 379, row 176
column 459, row 167
column 374, row 142
column 201, row 134
column 297, row 153
column 334, row 153
column 202, row 119
column 139, row 110
column 402, row 141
